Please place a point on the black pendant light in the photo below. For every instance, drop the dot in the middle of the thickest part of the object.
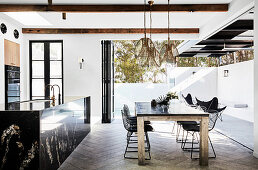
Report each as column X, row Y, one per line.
column 3, row 28
column 16, row 34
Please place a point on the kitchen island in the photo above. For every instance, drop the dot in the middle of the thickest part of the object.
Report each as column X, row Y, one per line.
column 37, row 135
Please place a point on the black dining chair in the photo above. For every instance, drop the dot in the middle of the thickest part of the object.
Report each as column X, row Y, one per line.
column 195, row 129
column 211, row 105
column 189, row 100
column 130, row 124
column 203, row 104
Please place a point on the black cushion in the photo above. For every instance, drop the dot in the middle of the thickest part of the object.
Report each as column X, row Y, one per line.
column 191, row 127
column 133, row 120
column 147, row 128
column 187, row 122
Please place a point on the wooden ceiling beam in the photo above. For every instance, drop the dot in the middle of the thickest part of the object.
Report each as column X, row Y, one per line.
column 113, row 8
column 108, row 30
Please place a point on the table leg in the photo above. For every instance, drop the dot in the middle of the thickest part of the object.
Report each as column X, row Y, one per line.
column 141, row 147
column 204, row 147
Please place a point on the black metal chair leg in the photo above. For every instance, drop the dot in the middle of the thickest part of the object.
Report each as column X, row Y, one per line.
column 178, row 133
column 148, row 140
column 182, row 140
column 148, row 144
column 185, row 141
column 212, row 147
column 128, row 140
column 173, row 127
column 192, row 146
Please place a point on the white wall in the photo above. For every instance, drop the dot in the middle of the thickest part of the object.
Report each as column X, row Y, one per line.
column 77, row 83
column 255, row 70
column 128, row 93
column 202, row 84
column 9, row 36
column 237, row 88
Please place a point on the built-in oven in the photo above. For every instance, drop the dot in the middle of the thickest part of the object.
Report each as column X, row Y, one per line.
column 12, row 84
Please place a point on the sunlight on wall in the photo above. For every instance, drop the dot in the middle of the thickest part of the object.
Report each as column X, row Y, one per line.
column 198, row 76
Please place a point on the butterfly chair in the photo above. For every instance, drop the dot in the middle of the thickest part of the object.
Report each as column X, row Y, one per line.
column 211, row 105
column 189, row 100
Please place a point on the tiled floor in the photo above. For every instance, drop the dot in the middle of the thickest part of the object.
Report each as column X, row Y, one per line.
column 103, row 148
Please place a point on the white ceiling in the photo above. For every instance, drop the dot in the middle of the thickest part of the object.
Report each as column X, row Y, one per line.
column 119, row 20
column 113, row 1
column 124, row 20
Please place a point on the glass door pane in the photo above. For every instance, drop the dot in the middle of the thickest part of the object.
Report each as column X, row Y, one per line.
column 55, row 69
column 55, row 51
column 38, row 87
column 38, row 69
column 37, row 51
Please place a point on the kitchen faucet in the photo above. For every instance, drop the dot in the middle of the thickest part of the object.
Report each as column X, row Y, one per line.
column 53, row 97
column 59, row 93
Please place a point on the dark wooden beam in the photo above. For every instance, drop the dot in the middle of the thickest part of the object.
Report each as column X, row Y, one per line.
column 114, row 8
column 108, row 30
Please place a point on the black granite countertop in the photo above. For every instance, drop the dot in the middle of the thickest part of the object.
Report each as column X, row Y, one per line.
column 32, row 105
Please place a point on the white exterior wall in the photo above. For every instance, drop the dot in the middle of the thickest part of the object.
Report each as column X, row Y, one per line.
column 128, row 93
column 255, row 70
column 237, row 88
column 205, row 87
column 202, row 84
column 9, row 36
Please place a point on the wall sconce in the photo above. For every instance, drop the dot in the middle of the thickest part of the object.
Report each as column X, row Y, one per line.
column 81, row 61
column 225, row 73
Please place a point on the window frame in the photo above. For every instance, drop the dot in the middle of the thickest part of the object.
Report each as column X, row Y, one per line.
column 47, row 63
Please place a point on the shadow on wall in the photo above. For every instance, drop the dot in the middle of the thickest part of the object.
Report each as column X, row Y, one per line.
column 202, row 84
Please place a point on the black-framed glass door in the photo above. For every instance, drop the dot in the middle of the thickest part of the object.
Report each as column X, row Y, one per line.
column 107, row 81
column 46, row 67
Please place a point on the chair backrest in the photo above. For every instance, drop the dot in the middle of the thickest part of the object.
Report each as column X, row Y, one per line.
column 203, row 104
column 126, row 109
column 125, row 119
column 188, row 99
column 214, row 104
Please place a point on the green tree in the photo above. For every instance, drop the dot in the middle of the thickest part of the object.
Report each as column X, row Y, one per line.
column 127, row 69
column 130, row 69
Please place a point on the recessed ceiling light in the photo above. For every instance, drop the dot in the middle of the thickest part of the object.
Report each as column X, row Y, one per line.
column 28, row 18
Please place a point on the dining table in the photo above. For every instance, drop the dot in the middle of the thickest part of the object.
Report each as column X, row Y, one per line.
column 175, row 111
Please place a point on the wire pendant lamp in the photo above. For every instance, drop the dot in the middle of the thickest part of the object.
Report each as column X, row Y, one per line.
column 169, row 51
column 145, row 48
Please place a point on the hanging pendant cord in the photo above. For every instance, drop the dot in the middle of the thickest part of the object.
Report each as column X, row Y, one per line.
column 145, row 19
column 168, row 22
column 150, row 20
